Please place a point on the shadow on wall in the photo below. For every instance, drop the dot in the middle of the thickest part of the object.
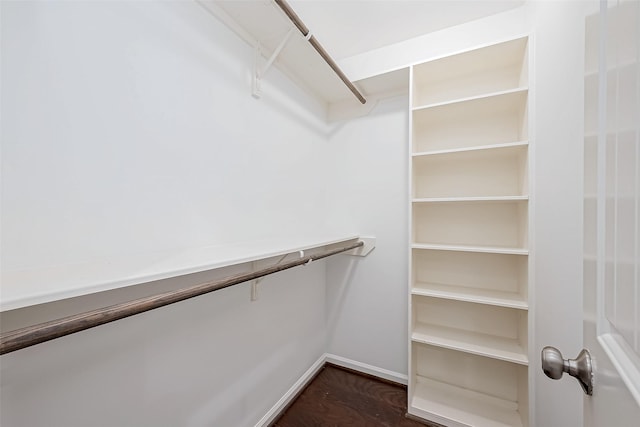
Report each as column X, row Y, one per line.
column 345, row 268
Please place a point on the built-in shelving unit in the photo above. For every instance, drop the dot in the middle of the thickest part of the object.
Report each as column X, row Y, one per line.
column 469, row 228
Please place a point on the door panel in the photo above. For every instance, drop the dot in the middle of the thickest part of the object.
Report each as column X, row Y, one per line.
column 612, row 213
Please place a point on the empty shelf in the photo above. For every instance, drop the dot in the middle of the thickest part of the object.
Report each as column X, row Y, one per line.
column 37, row 286
column 492, row 346
column 475, row 295
column 472, row 98
column 461, row 405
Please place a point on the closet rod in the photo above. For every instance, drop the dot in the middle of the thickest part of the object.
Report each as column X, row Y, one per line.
column 318, row 47
column 46, row 331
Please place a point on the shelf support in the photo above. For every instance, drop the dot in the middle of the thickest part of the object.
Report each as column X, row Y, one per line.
column 258, row 73
column 255, row 267
column 364, row 250
column 255, row 283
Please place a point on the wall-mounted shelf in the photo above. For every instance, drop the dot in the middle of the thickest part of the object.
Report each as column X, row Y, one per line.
column 38, row 333
column 262, row 23
column 29, row 287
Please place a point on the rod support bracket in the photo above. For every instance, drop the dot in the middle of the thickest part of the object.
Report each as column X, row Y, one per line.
column 369, row 245
column 255, row 282
column 258, row 72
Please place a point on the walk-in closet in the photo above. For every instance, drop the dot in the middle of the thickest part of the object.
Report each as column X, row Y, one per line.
column 241, row 213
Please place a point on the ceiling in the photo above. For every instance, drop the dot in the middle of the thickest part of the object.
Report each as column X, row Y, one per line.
column 349, row 27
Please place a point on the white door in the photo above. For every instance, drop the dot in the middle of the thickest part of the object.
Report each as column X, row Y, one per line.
column 612, row 214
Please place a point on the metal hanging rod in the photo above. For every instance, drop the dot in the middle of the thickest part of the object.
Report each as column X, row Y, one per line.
column 46, row 331
column 318, row 47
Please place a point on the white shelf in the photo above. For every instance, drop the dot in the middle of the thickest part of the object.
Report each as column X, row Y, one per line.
column 480, row 329
column 491, row 346
column 468, row 248
column 466, row 407
column 29, row 287
column 485, row 278
column 475, row 295
column 497, row 119
column 489, row 224
column 496, row 199
column 473, row 98
column 472, row 173
column 494, row 68
column 263, row 22
column 472, row 148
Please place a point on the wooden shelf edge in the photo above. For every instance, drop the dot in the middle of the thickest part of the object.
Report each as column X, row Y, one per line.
column 518, row 90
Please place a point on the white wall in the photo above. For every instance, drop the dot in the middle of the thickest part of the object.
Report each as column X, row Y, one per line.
column 367, row 297
column 132, row 127
column 129, row 127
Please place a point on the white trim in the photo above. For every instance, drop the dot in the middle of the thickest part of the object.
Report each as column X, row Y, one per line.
column 624, row 360
column 531, row 280
column 367, row 369
column 410, row 252
column 299, row 385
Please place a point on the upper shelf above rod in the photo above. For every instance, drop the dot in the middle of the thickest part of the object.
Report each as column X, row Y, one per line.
column 318, row 47
column 266, row 25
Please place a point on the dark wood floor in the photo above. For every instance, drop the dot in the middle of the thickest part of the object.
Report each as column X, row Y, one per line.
column 338, row 397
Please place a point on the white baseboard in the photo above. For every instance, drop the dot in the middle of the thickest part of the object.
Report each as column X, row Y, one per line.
column 367, row 369
column 299, row 385
column 291, row 393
